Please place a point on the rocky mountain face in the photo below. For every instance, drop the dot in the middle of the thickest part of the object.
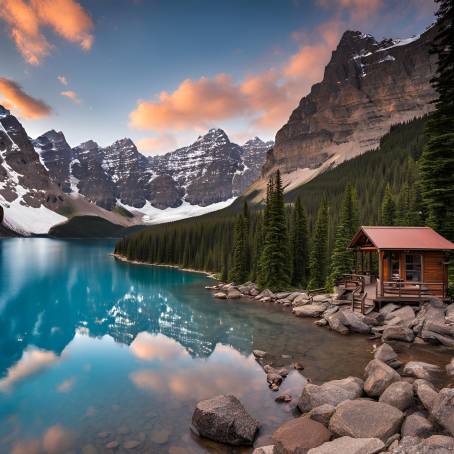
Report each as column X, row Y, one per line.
column 367, row 87
column 24, row 181
column 46, row 172
column 212, row 169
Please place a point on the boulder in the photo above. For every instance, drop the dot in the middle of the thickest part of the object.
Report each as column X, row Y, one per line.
column 443, row 409
column 335, row 323
column 225, row 420
column 449, row 316
column 405, row 316
column 310, row 310
column 387, row 354
column 439, row 327
column 322, row 414
column 300, row 300
column 425, row 392
column 299, row 435
column 365, row 419
column 354, row 322
column 281, row 295
column 331, row 310
column 378, row 377
column 220, row 295
column 385, row 310
column 265, row 294
column 436, row 444
column 419, row 369
column 259, row 353
column 416, row 425
column 450, row 368
column 399, row 333
column 321, row 298
column 399, row 395
column 233, row 293
column 332, row 393
column 294, row 295
column 372, row 318
column 349, row 445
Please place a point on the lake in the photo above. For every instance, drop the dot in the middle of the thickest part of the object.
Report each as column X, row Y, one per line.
column 95, row 351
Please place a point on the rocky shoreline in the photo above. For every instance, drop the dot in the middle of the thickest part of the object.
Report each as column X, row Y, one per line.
column 430, row 323
column 395, row 408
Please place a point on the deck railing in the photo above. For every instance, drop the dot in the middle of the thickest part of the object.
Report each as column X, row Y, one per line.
column 410, row 289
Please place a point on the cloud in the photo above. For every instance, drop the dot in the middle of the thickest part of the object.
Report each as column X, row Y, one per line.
column 66, row 385
column 158, row 347
column 31, row 362
column 25, row 20
column 195, row 103
column 63, row 80
column 55, row 440
column 15, row 98
column 157, row 145
column 72, row 95
column 357, row 8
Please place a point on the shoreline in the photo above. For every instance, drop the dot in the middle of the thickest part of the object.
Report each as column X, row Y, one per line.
column 122, row 258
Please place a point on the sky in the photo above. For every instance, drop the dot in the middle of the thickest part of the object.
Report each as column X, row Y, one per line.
column 162, row 72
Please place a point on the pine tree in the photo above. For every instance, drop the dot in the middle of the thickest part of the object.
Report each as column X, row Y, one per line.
column 299, row 246
column 437, row 162
column 388, row 208
column 319, row 251
column 274, row 270
column 342, row 260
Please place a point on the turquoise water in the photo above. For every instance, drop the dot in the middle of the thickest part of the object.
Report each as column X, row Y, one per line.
column 95, row 351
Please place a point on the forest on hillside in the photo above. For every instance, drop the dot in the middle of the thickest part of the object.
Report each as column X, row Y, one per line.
column 301, row 239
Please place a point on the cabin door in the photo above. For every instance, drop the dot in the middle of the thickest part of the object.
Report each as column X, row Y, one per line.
column 393, row 267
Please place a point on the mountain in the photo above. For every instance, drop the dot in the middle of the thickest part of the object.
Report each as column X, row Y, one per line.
column 367, row 87
column 213, row 169
column 44, row 181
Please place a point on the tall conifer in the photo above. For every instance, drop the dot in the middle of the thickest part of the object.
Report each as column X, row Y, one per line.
column 299, row 246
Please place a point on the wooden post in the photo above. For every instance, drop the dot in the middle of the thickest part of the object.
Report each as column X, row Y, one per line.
column 362, row 262
column 380, row 273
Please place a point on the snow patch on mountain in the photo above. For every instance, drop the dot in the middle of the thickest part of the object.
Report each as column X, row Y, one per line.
column 152, row 215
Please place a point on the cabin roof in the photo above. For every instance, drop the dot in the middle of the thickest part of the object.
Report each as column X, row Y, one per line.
column 401, row 238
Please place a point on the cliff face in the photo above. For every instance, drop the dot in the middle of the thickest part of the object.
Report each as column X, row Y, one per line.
column 367, row 87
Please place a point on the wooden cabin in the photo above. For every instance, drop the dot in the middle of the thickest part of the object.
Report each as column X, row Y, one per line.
column 412, row 264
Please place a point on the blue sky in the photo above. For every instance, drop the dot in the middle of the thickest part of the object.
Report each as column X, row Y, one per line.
column 246, row 63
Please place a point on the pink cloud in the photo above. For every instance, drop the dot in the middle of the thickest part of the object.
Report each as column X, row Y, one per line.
column 63, row 80
column 14, row 97
column 25, row 20
column 72, row 95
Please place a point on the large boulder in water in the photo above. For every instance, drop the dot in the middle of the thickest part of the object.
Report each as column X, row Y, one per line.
column 363, row 418
column 443, row 409
column 225, row 420
column 299, row 435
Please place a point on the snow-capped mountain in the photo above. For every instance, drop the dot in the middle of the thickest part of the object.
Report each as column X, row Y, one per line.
column 46, row 174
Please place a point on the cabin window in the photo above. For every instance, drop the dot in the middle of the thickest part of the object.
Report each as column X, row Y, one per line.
column 413, row 267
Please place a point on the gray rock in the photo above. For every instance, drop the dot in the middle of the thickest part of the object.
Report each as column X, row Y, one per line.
column 387, row 354
column 386, row 310
column 265, row 294
column 425, row 393
column 399, row 395
column 233, row 293
column 399, row 333
column 332, row 393
column 354, row 322
column 294, row 295
column 443, row 409
column 378, row 377
column 331, row 310
column 349, row 445
column 321, row 322
column 419, row 369
column 259, row 353
column 310, row 310
column 299, row 435
column 281, row 295
column 405, row 316
column 322, row 414
column 220, row 295
column 224, row 419
column 335, row 323
column 450, row 313
column 416, row 425
column 366, row 419
column 436, row 444
column 321, row 298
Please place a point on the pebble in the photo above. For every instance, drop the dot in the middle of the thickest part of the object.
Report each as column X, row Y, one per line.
column 298, row 366
column 283, row 398
column 103, row 434
column 112, row 445
column 131, row 444
column 160, row 436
